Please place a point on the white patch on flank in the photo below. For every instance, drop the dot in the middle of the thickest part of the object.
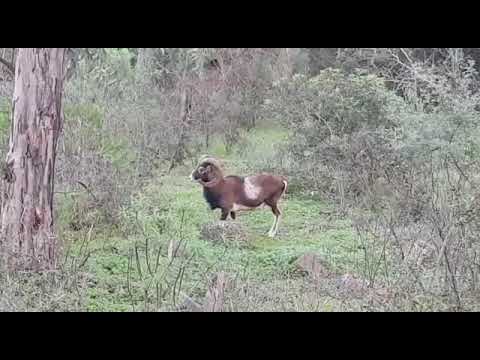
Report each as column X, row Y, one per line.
column 238, row 207
column 285, row 188
column 252, row 191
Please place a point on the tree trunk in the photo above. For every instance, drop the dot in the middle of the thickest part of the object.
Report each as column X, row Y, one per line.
column 180, row 151
column 144, row 67
column 27, row 233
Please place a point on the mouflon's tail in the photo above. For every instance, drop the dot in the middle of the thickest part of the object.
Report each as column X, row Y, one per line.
column 285, row 183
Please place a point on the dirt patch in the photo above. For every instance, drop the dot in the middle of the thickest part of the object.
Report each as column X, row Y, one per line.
column 225, row 232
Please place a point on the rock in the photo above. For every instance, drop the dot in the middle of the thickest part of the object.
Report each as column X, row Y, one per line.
column 224, row 232
column 189, row 305
column 313, row 265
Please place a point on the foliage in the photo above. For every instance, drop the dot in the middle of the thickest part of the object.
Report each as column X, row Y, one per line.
column 331, row 104
column 330, row 117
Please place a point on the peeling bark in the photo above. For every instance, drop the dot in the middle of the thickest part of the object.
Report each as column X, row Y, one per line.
column 27, row 235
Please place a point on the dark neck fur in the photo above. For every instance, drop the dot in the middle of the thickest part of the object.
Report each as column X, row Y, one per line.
column 213, row 196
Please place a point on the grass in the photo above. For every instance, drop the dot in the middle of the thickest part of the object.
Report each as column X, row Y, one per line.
column 171, row 207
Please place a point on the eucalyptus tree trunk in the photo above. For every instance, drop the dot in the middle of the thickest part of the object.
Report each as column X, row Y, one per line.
column 27, row 233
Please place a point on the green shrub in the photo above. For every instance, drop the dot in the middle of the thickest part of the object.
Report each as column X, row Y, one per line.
column 87, row 114
column 118, row 152
column 331, row 104
column 440, row 134
column 333, row 118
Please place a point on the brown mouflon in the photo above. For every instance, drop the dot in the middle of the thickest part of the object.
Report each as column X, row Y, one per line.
column 237, row 193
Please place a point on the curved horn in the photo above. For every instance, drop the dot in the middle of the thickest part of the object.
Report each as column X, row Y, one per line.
column 211, row 160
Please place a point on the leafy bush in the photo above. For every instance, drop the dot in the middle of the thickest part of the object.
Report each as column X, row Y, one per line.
column 442, row 133
column 331, row 117
column 331, row 104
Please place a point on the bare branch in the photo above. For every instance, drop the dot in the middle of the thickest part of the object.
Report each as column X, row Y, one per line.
column 406, row 55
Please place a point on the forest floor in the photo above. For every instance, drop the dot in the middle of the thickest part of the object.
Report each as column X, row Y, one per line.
column 129, row 269
column 133, row 272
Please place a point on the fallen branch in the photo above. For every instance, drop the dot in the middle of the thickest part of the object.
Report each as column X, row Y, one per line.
column 87, row 189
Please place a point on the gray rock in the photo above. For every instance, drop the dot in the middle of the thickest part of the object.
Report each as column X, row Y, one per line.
column 313, row 265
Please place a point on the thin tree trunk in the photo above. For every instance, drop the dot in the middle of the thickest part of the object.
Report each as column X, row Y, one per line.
column 206, row 130
column 27, row 232
column 144, row 67
column 180, row 152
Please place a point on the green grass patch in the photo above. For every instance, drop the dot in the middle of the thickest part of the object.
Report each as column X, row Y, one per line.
column 173, row 207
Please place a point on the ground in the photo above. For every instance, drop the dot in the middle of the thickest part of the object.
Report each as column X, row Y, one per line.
column 130, row 270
